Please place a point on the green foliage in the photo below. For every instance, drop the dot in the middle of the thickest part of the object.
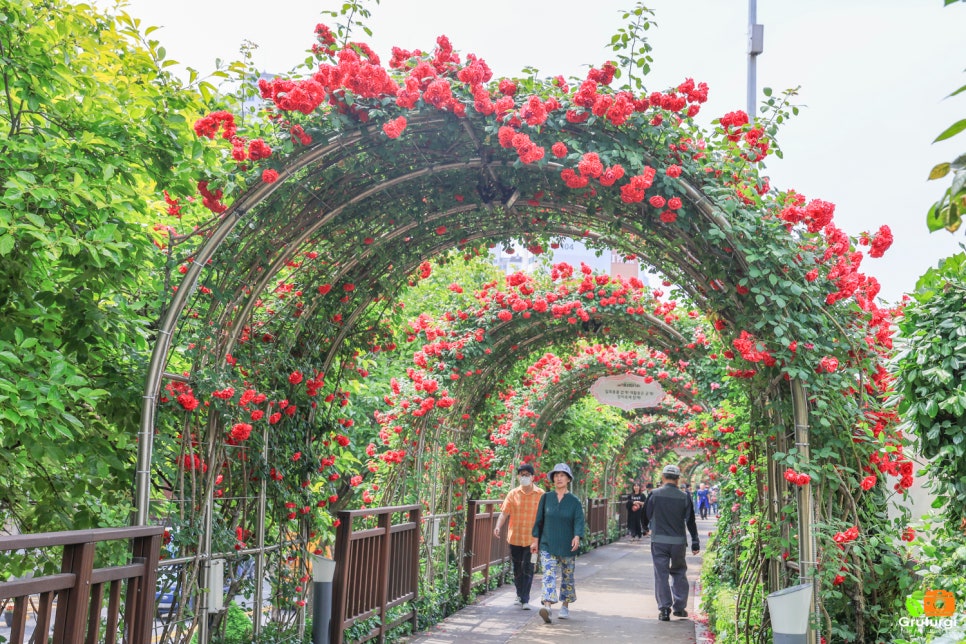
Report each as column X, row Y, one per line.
column 721, row 608
column 948, row 212
column 236, row 627
column 91, row 126
column 932, row 373
column 350, row 17
column 587, row 438
column 632, row 47
column 82, row 287
column 440, row 596
column 775, row 111
column 942, row 550
column 275, row 633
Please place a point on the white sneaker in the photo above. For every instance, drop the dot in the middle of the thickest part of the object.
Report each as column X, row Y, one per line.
column 545, row 614
column 524, row 606
column 564, row 612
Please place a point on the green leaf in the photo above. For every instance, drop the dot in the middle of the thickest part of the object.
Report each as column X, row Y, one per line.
column 952, row 130
column 26, row 177
column 72, row 420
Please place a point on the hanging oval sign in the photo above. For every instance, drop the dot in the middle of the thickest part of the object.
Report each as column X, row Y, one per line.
column 627, row 391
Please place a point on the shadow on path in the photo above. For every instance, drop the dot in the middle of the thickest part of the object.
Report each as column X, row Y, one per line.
column 615, row 603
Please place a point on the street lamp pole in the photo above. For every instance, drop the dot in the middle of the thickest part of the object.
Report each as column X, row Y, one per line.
column 756, row 44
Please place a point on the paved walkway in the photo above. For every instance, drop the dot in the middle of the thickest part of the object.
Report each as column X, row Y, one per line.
column 615, row 603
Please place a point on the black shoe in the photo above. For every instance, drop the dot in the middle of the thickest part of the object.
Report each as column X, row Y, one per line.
column 680, row 613
column 664, row 615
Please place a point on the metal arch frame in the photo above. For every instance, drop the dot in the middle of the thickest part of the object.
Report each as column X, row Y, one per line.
column 250, row 199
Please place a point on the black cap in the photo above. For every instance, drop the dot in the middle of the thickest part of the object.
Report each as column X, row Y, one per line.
column 526, row 467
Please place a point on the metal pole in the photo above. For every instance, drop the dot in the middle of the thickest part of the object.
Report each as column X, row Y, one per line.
column 321, row 612
column 205, row 607
column 756, row 36
column 259, row 598
column 323, row 575
column 152, row 385
column 806, row 537
column 773, row 510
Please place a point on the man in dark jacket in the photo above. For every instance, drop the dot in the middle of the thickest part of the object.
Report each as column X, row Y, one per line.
column 667, row 513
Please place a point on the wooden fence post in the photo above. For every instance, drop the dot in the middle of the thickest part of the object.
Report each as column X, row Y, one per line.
column 466, row 582
column 72, row 603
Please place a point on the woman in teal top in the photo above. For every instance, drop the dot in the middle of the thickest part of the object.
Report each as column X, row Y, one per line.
column 557, row 531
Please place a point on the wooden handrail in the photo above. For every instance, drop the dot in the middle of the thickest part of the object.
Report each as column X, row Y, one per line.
column 51, row 539
column 79, row 587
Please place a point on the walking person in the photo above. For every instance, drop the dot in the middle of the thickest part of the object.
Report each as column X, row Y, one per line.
column 635, row 512
column 713, row 500
column 519, row 510
column 669, row 515
column 557, row 531
column 704, row 500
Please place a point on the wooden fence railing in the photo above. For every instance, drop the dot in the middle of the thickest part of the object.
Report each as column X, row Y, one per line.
column 596, row 519
column 376, row 569
column 620, row 510
column 80, row 589
column 482, row 550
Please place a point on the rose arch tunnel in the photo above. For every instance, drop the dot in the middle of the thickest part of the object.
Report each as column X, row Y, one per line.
column 291, row 278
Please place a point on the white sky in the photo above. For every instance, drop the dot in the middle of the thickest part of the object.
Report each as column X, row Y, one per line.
column 873, row 76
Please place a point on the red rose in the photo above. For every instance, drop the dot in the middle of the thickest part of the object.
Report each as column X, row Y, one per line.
column 188, row 401
column 881, row 242
column 241, row 431
column 395, row 127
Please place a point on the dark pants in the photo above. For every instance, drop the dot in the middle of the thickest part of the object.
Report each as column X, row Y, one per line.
column 703, row 510
column 670, row 560
column 522, row 571
column 634, row 523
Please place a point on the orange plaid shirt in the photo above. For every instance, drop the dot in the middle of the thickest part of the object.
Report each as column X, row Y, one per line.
column 522, row 511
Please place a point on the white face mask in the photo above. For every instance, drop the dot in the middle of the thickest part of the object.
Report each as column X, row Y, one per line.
column 525, row 481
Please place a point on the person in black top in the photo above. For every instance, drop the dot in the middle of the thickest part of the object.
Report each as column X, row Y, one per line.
column 668, row 512
column 635, row 512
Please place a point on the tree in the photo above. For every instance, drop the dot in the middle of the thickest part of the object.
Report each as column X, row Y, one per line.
column 91, row 126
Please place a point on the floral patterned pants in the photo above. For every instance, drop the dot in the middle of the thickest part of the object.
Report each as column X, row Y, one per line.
column 558, row 567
